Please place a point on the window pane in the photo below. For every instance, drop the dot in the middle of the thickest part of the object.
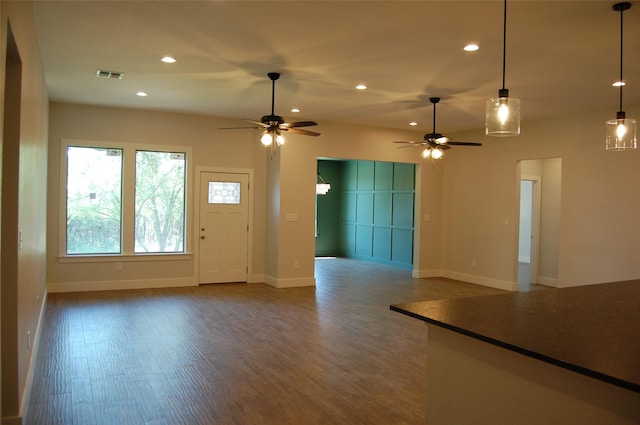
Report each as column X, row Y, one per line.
column 224, row 193
column 160, row 204
column 94, row 200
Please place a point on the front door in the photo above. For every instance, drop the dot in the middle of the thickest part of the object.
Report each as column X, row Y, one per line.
column 224, row 210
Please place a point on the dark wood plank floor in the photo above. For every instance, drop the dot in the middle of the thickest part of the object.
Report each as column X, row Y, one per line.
column 240, row 353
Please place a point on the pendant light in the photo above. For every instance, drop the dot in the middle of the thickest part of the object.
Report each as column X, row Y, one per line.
column 322, row 187
column 621, row 132
column 503, row 113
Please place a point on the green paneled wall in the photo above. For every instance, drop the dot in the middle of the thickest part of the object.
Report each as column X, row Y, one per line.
column 374, row 211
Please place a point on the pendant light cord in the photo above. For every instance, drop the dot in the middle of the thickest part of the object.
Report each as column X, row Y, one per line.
column 434, row 118
column 273, row 96
column 504, row 44
column 621, row 39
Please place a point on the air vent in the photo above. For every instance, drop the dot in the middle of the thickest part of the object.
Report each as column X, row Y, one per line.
column 109, row 74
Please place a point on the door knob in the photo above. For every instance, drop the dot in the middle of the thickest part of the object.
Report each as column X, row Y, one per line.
column 202, row 237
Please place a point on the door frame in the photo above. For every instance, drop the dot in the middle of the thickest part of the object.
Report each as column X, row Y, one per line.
column 196, row 218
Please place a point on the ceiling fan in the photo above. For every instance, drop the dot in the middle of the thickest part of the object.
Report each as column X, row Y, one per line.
column 435, row 143
column 274, row 125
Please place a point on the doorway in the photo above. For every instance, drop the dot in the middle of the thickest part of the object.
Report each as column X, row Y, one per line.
column 223, row 227
column 529, row 234
column 9, row 232
column 539, row 182
column 369, row 212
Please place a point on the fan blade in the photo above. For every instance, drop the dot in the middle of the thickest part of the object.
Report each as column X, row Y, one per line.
column 409, row 146
column 298, row 131
column 464, row 143
column 237, row 128
column 409, row 142
column 261, row 124
column 299, row 124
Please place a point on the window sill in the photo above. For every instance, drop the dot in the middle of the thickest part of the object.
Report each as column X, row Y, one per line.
column 106, row 258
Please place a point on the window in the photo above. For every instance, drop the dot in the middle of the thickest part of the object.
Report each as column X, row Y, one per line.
column 94, row 200
column 124, row 199
column 159, row 210
column 224, row 193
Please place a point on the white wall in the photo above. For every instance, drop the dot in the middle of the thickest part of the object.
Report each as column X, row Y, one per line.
column 470, row 198
column 598, row 226
column 211, row 148
column 284, row 184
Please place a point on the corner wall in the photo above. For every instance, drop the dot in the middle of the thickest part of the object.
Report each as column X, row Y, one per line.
column 23, row 240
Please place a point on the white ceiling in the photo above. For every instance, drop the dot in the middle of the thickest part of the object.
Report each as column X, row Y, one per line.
column 562, row 57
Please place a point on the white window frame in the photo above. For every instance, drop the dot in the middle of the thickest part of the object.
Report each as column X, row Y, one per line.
column 128, row 202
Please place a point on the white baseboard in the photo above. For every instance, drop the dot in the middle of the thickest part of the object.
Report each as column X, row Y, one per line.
column 294, row 282
column 478, row 280
column 481, row 280
column 107, row 285
column 255, row 278
column 26, row 396
column 13, row 420
column 548, row 281
column 424, row 274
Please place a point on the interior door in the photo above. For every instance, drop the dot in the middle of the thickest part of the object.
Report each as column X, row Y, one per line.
column 224, row 210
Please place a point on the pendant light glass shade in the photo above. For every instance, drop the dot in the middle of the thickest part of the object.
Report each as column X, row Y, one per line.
column 621, row 132
column 502, row 116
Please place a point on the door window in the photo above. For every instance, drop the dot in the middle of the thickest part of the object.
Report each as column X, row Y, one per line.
column 224, row 193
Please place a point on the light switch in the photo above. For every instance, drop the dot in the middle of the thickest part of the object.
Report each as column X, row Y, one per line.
column 291, row 217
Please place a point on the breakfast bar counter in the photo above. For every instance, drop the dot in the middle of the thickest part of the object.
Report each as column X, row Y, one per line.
column 553, row 356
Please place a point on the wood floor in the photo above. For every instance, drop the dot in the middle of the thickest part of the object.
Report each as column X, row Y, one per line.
column 240, row 353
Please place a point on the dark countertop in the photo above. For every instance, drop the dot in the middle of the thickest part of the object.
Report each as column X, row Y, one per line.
column 593, row 329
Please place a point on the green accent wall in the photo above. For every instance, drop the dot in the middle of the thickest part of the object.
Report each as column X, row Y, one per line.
column 373, row 209
column 328, row 210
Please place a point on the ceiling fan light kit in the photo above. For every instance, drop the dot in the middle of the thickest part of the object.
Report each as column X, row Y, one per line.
column 621, row 131
column 433, row 153
column 268, row 137
column 503, row 113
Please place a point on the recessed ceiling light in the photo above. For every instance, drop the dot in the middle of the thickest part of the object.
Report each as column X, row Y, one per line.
column 361, row 87
column 295, row 110
column 168, row 59
column 619, row 84
column 413, row 123
column 471, row 47
column 141, row 94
